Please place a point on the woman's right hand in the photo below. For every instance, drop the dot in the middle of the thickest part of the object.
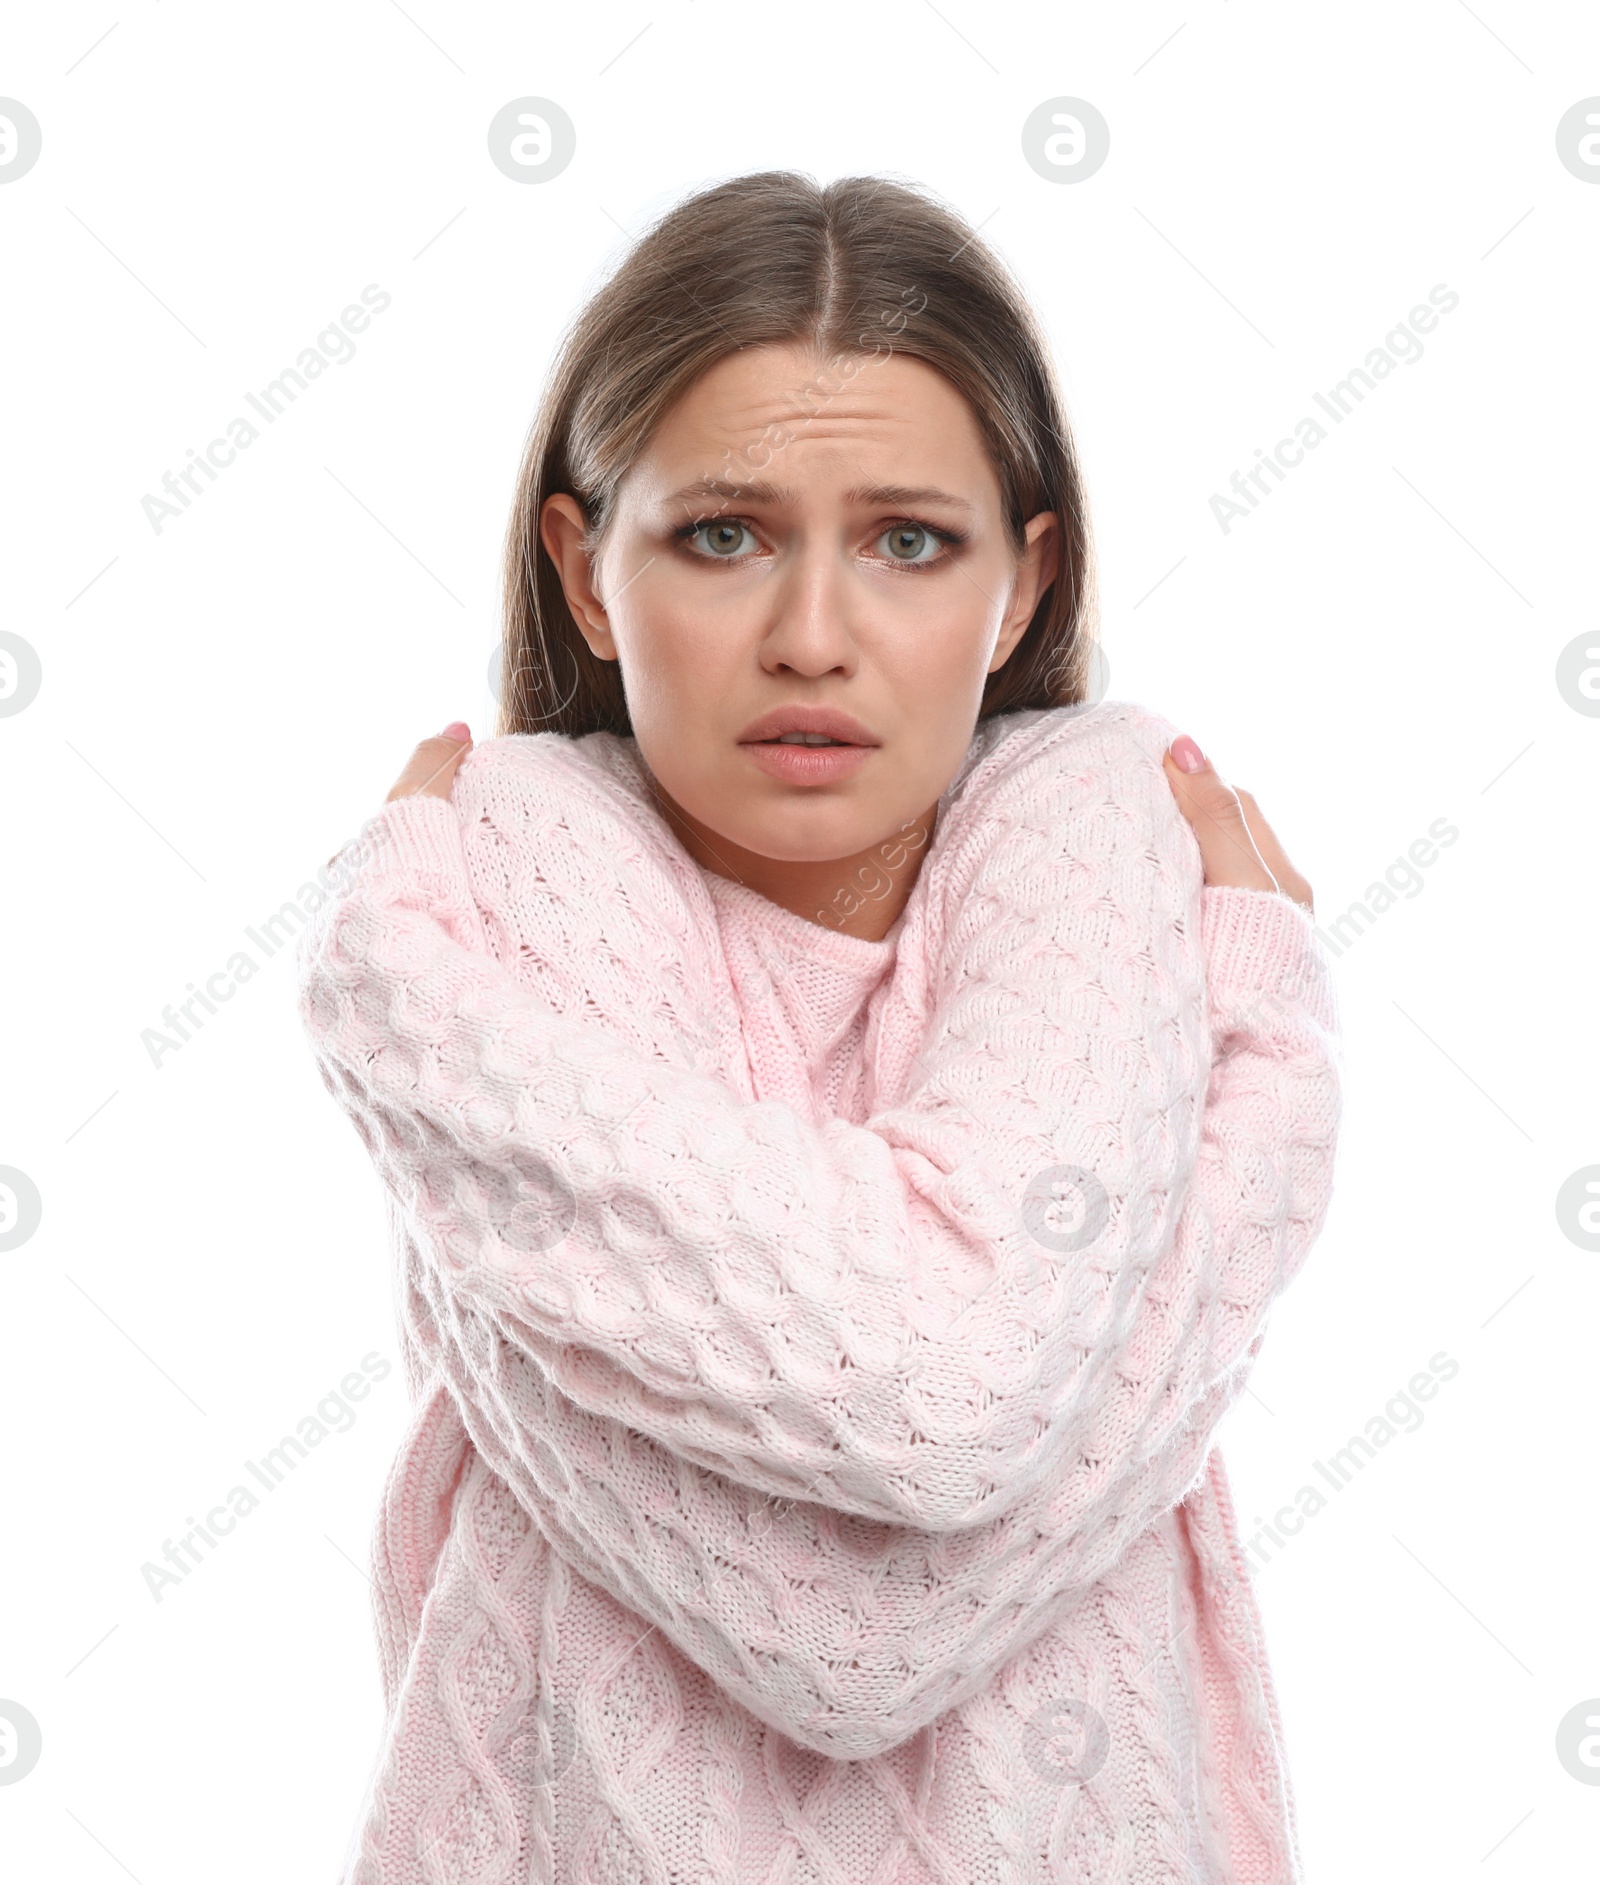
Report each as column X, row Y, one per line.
column 1237, row 845
column 433, row 766
column 431, row 769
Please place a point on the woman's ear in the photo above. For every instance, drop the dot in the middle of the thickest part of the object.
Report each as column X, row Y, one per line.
column 1036, row 570
column 562, row 528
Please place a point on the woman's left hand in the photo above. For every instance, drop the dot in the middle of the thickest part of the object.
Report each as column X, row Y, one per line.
column 1237, row 845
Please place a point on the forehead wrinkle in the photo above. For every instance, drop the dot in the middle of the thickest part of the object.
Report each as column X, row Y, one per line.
column 761, row 492
column 849, row 421
column 843, row 415
column 823, row 421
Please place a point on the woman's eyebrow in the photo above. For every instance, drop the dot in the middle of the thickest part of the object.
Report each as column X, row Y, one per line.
column 907, row 494
column 763, row 493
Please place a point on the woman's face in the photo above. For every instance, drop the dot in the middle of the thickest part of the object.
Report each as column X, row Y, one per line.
column 812, row 535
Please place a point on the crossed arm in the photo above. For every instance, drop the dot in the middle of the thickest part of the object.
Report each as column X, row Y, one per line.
column 769, row 1407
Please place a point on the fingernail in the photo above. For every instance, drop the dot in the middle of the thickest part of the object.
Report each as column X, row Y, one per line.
column 1187, row 754
column 457, row 730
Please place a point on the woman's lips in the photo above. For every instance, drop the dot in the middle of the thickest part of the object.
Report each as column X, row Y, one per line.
column 797, row 764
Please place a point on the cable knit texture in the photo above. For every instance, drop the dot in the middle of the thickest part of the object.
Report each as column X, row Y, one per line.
column 816, row 1344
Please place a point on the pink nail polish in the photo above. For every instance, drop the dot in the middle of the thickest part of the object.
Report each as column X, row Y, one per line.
column 1187, row 754
column 457, row 730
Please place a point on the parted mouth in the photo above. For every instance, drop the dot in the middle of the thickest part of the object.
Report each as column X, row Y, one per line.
column 807, row 726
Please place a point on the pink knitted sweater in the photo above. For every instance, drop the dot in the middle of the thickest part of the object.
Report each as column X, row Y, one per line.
column 816, row 1344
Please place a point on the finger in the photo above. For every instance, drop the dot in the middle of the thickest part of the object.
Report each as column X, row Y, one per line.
column 1264, row 838
column 432, row 768
column 1228, row 851
column 1277, row 860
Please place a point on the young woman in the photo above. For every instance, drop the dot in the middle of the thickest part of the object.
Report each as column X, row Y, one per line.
column 847, row 1104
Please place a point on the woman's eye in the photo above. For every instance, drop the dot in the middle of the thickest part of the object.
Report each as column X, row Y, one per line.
column 726, row 538
column 911, row 543
column 722, row 536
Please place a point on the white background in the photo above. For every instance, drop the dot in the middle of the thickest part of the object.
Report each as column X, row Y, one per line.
column 1372, row 649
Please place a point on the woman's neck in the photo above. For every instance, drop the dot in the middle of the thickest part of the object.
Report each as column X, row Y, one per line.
column 860, row 896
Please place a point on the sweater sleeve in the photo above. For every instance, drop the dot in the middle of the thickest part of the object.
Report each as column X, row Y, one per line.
column 876, row 1318
column 849, row 1635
